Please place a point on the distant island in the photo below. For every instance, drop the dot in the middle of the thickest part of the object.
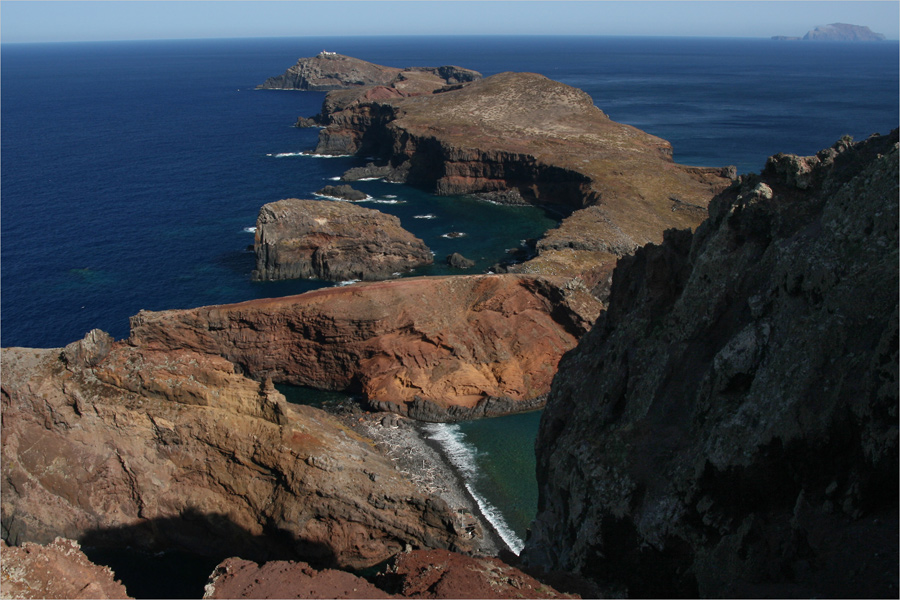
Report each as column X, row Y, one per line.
column 837, row 32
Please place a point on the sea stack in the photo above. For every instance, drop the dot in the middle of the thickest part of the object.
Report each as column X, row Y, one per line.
column 334, row 241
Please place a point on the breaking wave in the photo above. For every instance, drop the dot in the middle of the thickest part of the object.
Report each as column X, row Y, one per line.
column 310, row 154
column 463, row 456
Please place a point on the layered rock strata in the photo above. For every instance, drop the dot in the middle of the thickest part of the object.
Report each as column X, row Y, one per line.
column 114, row 445
column 58, row 570
column 334, row 241
column 332, row 71
column 729, row 425
column 520, row 137
column 439, row 348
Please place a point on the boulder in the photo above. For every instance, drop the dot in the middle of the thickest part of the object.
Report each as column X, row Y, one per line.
column 449, row 347
column 334, row 241
column 458, row 261
column 728, row 428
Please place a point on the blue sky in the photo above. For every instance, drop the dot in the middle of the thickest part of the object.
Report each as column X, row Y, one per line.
column 52, row 21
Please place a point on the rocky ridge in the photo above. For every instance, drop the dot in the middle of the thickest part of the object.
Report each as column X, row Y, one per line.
column 437, row 348
column 333, row 241
column 729, row 425
column 114, row 445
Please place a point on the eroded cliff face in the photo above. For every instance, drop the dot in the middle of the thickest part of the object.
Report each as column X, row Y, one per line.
column 117, row 445
column 334, row 241
column 437, row 348
column 523, row 138
column 729, row 426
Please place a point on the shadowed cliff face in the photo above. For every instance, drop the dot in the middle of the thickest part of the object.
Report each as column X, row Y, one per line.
column 115, row 445
column 729, row 426
column 442, row 348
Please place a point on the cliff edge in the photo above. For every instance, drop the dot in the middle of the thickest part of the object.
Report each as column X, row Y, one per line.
column 729, row 425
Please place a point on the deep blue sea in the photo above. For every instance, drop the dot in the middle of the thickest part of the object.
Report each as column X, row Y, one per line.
column 130, row 171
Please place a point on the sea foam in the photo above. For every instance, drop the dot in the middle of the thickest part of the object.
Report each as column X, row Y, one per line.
column 464, row 458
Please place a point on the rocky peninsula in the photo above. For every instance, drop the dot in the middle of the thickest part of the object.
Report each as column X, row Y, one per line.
column 728, row 428
column 332, row 71
column 523, row 138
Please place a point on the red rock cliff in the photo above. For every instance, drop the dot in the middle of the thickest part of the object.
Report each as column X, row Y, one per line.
column 435, row 348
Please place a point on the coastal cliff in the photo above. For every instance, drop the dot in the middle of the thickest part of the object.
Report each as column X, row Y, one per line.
column 437, row 349
column 334, row 241
column 523, row 138
column 116, row 446
column 728, row 428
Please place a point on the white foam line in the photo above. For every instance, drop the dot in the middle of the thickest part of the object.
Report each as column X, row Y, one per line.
column 309, row 154
column 463, row 457
column 335, row 198
column 249, row 230
column 424, row 217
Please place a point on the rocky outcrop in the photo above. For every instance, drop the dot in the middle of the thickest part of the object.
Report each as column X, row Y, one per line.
column 171, row 449
column 729, row 425
column 332, row 71
column 478, row 344
column 458, row 261
column 238, row 578
column 58, row 570
column 523, row 138
column 342, row 192
column 334, row 241
column 416, row 574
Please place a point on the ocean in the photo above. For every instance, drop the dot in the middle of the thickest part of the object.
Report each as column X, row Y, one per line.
column 133, row 172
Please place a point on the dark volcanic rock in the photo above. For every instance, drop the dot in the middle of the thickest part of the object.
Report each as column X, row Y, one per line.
column 729, row 426
column 58, row 570
column 456, row 346
column 458, row 261
column 173, row 449
column 342, row 192
column 332, row 240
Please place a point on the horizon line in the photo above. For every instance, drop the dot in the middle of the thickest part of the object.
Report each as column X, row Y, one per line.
column 385, row 35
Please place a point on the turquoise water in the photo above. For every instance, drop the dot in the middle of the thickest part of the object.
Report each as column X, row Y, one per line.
column 495, row 458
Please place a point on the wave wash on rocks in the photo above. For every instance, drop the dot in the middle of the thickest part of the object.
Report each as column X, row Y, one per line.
column 729, row 426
